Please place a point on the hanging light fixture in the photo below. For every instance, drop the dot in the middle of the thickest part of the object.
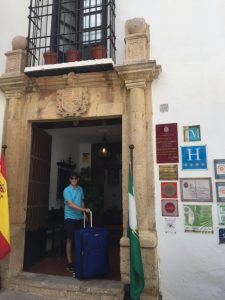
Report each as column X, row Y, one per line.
column 104, row 150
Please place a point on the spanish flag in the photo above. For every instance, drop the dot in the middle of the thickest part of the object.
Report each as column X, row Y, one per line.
column 4, row 211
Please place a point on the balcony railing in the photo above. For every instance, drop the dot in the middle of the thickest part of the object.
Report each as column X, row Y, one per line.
column 59, row 26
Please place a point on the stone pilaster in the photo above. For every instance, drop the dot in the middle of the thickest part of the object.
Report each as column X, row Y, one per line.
column 137, row 80
column 15, row 139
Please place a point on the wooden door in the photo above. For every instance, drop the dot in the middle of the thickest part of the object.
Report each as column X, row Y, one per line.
column 38, row 196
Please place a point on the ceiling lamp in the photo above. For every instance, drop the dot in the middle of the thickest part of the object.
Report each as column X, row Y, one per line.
column 104, row 150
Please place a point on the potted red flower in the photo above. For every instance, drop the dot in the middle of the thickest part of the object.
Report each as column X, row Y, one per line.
column 73, row 55
column 50, row 57
column 98, row 51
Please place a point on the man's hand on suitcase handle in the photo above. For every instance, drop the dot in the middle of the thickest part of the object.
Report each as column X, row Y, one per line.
column 87, row 210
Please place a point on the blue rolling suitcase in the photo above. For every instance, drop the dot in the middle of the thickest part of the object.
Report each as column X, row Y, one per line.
column 91, row 250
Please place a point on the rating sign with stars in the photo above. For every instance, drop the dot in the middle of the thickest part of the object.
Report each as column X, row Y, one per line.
column 194, row 157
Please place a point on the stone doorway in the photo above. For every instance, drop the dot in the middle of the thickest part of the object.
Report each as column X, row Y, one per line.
column 123, row 91
column 73, row 147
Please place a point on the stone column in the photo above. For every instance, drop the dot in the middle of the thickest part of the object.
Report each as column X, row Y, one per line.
column 14, row 87
column 15, row 162
column 137, row 74
column 137, row 137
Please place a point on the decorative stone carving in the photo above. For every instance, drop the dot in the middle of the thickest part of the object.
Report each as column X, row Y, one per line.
column 19, row 43
column 72, row 102
column 71, row 78
column 136, row 25
column 137, row 41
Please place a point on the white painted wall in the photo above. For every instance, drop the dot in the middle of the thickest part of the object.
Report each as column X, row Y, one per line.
column 13, row 22
column 188, row 40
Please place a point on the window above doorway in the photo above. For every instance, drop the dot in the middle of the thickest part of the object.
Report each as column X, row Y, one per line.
column 56, row 26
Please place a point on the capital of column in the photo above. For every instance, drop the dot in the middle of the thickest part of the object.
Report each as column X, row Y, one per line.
column 139, row 83
column 14, row 84
column 13, row 95
column 138, row 75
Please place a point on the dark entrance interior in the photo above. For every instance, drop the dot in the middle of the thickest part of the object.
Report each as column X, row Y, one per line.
column 91, row 148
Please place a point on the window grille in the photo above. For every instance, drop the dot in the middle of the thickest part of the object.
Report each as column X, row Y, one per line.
column 59, row 25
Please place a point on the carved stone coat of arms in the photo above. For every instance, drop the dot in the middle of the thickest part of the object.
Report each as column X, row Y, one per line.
column 72, row 102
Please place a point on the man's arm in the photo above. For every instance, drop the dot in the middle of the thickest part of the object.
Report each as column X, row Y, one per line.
column 73, row 205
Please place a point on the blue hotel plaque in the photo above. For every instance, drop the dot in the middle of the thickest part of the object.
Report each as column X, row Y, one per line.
column 192, row 133
column 194, row 157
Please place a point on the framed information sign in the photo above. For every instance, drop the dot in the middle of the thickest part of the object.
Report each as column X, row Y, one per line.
column 167, row 143
column 220, row 191
column 192, row 133
column 219, row 165
column 194, row 157
column 196, row 189
column 198, row 218
column 168, row 172
column 169, row 208
column 169, row 190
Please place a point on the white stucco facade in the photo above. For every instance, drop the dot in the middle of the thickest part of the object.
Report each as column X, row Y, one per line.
column 187, row 38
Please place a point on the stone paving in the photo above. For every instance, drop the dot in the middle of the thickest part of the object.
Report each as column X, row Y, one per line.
column 14, row 295
column 33, row 286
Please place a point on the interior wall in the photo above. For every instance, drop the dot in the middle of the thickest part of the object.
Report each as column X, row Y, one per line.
column 62, row 149
column 113, row 193
column 84, row 156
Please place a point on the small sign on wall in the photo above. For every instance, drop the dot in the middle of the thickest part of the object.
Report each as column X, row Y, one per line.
column 194, row 157
column 192, row 133
column 219, row 166
column 220, row 191
column 169, row 190
column 168, row 172
column 198, row 218
column 167, row 143
column 222, row 235
column 170, row 208
column 221, row 214
column 170, row 225
column 196, row 189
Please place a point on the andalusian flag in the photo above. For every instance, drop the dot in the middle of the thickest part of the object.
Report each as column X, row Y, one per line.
column 137, row 281
column 4, row 211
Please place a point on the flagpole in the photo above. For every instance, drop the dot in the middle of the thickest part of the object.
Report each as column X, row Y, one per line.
column 131, row 147
column 4, row 147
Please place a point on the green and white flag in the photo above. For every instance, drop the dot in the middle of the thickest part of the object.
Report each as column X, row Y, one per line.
column 137, row 281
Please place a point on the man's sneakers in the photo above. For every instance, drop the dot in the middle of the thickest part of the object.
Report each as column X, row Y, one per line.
column 70, row 267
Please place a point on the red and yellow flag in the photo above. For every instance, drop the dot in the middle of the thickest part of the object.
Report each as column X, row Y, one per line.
column 4, row 211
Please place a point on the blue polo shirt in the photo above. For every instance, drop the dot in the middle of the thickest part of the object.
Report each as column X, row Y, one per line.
column 76, row 195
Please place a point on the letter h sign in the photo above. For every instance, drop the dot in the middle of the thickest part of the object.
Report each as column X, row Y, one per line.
column 194, row 157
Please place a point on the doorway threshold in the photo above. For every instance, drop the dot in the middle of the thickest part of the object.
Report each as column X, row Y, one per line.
column 67, row 288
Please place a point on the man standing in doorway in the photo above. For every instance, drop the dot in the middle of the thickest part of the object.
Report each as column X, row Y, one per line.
column 73, row 214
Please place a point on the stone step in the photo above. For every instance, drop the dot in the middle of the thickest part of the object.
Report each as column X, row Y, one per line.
column 67, row 288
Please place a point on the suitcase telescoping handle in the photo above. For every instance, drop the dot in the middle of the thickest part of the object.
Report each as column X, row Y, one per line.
column 90, row 219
